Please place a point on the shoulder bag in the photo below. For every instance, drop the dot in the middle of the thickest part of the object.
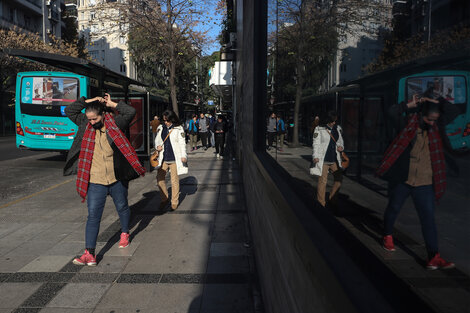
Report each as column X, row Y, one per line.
column 344, row 157
column 156, row 153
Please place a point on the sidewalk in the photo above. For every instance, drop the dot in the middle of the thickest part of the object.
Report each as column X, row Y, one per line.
column 195, row 259
column 361, row 213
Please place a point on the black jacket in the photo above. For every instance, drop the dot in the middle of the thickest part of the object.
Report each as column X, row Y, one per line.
column 122, row 169
column 219, row 126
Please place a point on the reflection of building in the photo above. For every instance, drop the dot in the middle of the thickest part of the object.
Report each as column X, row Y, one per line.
column 106, row 37
column 360, row 46
column 221, row 80
column 34, row 16
column 412, row 17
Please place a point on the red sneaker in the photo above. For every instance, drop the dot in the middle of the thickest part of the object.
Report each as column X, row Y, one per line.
column 438, row 262
column 124, row 242
column 388, row 243
column 86, row 259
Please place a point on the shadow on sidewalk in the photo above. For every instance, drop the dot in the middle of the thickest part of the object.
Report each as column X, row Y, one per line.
column 142, row 213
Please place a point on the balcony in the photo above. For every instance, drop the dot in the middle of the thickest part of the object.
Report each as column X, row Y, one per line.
column 30, row 5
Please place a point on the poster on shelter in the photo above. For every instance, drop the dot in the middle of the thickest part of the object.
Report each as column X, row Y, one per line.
column 49, row 90
column 451, row 88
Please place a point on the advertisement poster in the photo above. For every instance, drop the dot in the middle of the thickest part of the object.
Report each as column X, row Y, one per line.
column 49, row 90
column 136, row 127
column 451, row 88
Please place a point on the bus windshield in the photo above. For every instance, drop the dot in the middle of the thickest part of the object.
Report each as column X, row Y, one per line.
column 48, row 95
column 451, row 88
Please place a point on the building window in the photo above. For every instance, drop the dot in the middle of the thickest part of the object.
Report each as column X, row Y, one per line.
column 94, row 54
column 123, row 68
column 92, row 15
column 122, row 40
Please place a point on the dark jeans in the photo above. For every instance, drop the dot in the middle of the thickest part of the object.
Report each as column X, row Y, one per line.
column 271, row 138
column 203, row 138
column 219, row 143
column 424, row 201
column 96, row 199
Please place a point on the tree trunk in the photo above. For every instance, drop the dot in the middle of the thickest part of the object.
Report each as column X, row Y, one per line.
column 172, row 63
column 172, row 80
column 298, row 99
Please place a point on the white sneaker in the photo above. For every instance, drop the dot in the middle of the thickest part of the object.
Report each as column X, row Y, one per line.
column 218, row 156
column 221, row 157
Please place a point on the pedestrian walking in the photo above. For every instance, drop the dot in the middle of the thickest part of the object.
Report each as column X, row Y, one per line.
column 203, row 125
column 154, row 124
column 219, row 129
column 281, row 131
column 212, row 121
column 104, row 161
column 327, row 147
column 414, row 165
column 171, row 144
column 271, row 130
column 192, row 129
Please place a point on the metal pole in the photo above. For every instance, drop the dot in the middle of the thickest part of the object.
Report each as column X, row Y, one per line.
column 429, row 20
column 44, row 21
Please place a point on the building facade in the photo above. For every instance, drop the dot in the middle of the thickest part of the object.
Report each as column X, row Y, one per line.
column 106, row 36
column 426, row 17
column 35, row 16
column 360, row 44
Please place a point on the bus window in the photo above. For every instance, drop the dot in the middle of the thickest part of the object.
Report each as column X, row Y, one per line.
column 47, row 95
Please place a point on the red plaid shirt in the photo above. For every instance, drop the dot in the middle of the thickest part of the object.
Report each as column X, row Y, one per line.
column 88, row 145
column 402, row 141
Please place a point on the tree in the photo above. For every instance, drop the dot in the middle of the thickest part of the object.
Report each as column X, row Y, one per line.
column 71, row 36
column 10, row 66
column 399, row 51
column 164, row 33
column 16, row 39
column 307, row 38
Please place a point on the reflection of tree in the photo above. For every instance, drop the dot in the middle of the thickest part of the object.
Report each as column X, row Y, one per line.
column 307, row 40
column 163, row 36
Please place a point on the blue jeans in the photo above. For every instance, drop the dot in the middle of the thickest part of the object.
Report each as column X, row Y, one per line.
column 96, row 199
column 423, row 199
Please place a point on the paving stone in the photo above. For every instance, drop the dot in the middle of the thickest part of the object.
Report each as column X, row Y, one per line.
column 119, row 296
column 163, row 299
column 13, row 264
column 230, row 264
column 182, row 279
column 79, row 295
column 94, row 277
column 40, row 277
column 227, row 249
column 4, row 276
column 14, row 294
column 65, row 310
column 31, row 248
column 139, row 278
column 27, row 310
column 71, row 248
column 43, row 295
column 112, row 249
column 107, row 264
column 46, row 263
column 226, row 297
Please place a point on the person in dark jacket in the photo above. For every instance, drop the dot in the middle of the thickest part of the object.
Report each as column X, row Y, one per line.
column 104, row 161
column 414, row 165
column 219, row 129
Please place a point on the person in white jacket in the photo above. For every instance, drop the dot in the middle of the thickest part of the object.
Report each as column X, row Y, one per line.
column 327, row 156
column 171, row 144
